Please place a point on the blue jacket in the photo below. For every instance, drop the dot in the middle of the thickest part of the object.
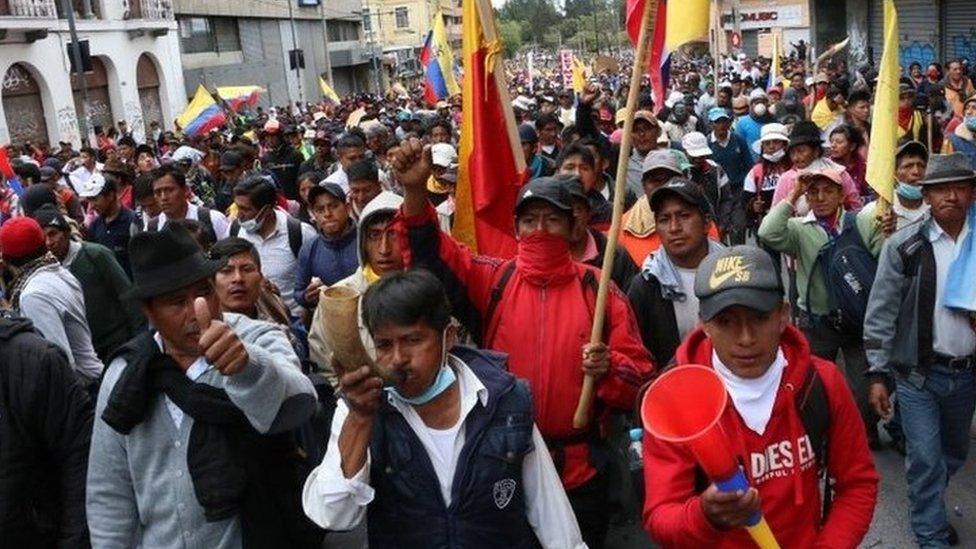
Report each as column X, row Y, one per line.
column 331, row 260
column 750, row 130
column 487, row 501
column 735, row 159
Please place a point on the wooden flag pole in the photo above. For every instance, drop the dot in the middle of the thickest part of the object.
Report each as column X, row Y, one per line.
column 582, row 416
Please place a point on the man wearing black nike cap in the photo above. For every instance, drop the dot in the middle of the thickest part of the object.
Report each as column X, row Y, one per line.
column 791, row 420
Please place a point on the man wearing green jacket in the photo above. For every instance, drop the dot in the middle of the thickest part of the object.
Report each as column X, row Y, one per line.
column 803, row 238
column 112, row 321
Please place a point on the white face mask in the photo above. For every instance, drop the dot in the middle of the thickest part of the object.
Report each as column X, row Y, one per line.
column 252, row 225
column 775, row 156
column 759, row 109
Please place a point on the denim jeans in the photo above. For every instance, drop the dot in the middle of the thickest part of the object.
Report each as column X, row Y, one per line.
column 935, row 419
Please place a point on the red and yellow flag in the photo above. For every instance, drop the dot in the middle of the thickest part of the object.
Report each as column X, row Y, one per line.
column 490, row 160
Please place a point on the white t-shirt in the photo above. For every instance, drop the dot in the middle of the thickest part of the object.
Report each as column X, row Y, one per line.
column 686, row 312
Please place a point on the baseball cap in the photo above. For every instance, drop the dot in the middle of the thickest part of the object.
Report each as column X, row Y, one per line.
column 718, row 113
column 833, row 175
column 93, row 187
column 49, row 216
column 756, row 94
column 326, row 187
column 740, row 275
column 20, row 237
column 695, row 144
column 230, row 160
column 620, row 116
column 443, row 154
column 272, row 126
column 647, row 116
column 684, row 189
column 914, row 148
column 661, row 158
column 551, row 190
column 48, row 173
column 821, row 78
column 527, row 133
column 575, row 187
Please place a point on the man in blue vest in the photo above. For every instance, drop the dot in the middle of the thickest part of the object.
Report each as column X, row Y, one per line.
column 447, row 453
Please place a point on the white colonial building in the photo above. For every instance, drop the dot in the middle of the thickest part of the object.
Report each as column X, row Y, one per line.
column 135, row 60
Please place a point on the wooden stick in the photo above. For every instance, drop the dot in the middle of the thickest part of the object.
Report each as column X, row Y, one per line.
column 582, row 416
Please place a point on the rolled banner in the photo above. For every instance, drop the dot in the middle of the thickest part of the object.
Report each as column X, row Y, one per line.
column 339, row 318
column 685, row 406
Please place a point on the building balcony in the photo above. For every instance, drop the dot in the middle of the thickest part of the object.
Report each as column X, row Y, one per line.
column 157, row 10
column 36, row 9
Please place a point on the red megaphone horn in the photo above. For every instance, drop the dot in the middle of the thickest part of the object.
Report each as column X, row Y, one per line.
column 684, row 406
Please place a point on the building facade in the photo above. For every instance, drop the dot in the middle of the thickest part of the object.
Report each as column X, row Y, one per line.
column 135, row 68
column 398, row 28
column 248, row 42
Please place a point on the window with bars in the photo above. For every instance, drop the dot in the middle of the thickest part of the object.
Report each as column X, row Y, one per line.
column 209, row 34
column 343, row 31
column 402, row 17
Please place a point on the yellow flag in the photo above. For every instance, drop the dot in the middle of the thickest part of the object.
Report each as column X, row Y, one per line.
column 328, row 92
column 579, row 75
column 687, row 21
column 202, row 114
column 884, row 122
column 774, row 70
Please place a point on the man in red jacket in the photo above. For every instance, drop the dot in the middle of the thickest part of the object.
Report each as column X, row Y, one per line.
column 773, row 382
column 538, row 308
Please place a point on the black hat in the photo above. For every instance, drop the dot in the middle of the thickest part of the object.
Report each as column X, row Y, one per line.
column 740, row 275
column 574, row 186
column 36, row 196
column 684, row 189
column 805, row 132
column 49, row 216
column 914, row 148
column 326, row 187
column 167, row 260
column 548, row 189
column 948, row 168
column 144, row 148
column 231, row 160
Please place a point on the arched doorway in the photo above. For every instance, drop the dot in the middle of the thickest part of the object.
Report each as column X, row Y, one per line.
column 147, row 80
column 23, row 107
column 99, row 104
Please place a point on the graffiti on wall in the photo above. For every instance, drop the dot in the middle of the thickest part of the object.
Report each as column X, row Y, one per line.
column 68, row 125
column 15, row 78
column 917, row 52
column 964, row 45
column 857, row 48
column 133, row 115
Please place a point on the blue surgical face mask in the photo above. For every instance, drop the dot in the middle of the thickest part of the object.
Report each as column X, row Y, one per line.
column 445, row 378
column 908, row 192
column 970, row 122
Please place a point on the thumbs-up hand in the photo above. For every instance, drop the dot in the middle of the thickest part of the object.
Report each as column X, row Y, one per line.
column 218, row 343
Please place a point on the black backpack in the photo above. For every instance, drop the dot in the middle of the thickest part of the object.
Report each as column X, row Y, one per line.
column 848, row 269
column 203, row 217
column 294, row 233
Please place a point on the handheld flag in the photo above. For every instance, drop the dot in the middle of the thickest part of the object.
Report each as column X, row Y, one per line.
column 884, row 122
column 240, row 96
column 774, row 70
column 438, row 63
column 490, row 160
column 579, row 75
column 202, row 114
column 330, row 95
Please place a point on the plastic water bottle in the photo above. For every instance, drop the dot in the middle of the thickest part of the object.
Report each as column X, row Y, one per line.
column 635, row 451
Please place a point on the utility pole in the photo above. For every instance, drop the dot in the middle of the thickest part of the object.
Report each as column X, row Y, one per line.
column 368, row 16
column 325, row 38
column 294, row 47
column 83, row 120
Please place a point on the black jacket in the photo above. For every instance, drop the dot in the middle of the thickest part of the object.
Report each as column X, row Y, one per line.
column 284, row 162
column 655, row 318
column 623, row 266
column 45, row 430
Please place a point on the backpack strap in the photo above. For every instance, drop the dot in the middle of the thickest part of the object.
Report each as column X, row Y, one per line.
column 206, row 222
column 152, row 225
column 496, row 296
column 294, row 234
column 235, row 228
column 814, row 411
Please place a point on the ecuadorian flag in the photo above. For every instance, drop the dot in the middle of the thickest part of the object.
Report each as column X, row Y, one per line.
column 438, row 63
column 201, row 115
column 240, row 96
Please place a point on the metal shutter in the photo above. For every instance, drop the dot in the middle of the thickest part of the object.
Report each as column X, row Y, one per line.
column 918, row 30
column 750, row 42
column 960, row 29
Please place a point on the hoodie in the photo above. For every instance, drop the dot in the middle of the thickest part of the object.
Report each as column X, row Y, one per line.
column 780, row 464
column 319, row 351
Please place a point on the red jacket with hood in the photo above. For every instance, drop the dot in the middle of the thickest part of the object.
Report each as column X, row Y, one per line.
column 788, row 487
column 542, row 320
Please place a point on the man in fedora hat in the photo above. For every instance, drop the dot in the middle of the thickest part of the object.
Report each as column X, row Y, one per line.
column 924, row 349
column 183, row 452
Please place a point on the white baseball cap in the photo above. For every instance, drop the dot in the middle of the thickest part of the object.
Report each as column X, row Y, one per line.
column 443, row 154
column 695, row 144
column 93, row 187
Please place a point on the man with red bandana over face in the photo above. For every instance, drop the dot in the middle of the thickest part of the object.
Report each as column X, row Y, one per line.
column 538, row 308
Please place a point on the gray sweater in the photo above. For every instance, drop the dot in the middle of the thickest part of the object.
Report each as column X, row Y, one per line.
column 139, row 487
column 53, row 300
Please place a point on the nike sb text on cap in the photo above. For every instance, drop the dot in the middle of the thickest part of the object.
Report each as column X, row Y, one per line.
column 741, row 275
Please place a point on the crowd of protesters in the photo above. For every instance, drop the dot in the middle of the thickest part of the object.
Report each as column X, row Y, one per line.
column 167, row 380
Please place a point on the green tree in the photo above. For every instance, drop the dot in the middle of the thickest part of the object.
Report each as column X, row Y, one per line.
column 510, row 33
column 537, row 14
